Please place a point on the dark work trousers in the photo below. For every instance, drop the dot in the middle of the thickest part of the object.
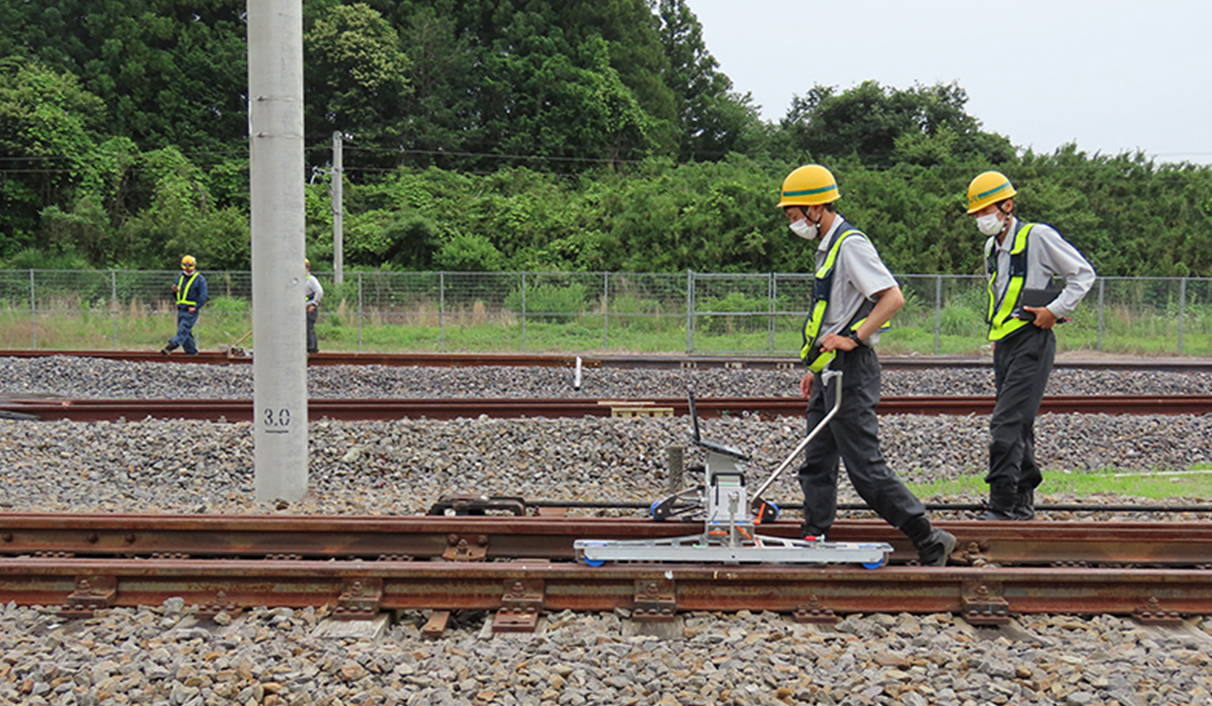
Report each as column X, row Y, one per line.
column 852, row 435
column 185, row 330
column 313, row 344
column 1021, row 366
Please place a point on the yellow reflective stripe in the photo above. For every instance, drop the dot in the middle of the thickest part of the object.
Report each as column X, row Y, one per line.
column 183, row 291
column 833, row 251
column 812, row 326
column 1000, row 323
column 821, row 361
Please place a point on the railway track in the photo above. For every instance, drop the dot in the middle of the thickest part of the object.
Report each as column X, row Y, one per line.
column 231, row 410
column 522, row 567
column 608, row 361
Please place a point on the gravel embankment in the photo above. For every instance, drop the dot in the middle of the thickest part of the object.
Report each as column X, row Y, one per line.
column 156, row 656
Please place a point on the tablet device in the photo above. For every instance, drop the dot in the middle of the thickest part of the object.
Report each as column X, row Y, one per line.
column 1035, row 298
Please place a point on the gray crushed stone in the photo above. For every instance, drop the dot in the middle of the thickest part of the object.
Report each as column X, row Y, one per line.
column 161, row 656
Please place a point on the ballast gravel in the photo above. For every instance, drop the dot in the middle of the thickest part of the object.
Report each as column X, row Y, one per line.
column 161, row 656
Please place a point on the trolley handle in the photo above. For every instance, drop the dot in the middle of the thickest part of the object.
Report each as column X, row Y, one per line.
column 828, row 375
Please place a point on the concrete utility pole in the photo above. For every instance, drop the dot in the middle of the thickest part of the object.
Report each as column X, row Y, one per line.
column 275, row 126
column 338, row 209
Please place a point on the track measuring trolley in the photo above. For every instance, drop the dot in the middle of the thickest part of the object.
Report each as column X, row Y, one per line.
column 731, row 518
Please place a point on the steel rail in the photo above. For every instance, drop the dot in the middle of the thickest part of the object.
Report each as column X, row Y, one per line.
column 504, row 537
column 364, row 588
column 241, row 410
column 609, row 361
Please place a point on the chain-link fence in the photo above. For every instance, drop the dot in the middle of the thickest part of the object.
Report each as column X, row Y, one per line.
column 703, row 313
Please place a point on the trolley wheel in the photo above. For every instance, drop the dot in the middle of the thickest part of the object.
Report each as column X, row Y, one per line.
column 592, row 562
column 875, row 564
column 765, row 511
column 652, row 511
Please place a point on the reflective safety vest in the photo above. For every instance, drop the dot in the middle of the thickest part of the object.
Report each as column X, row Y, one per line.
column 822, row 286
column 183, row 289
column 1002, row 315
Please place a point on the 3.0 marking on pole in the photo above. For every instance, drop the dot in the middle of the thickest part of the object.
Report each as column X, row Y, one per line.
column 277, row 422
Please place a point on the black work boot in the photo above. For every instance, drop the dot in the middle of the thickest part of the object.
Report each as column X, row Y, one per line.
column 1024, row 505
column 933, row 545
column 168, row 349
column 937, row 547
column 1002, row 501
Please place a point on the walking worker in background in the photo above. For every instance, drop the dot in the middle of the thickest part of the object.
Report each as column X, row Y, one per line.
column 314, row 293
column 191, row 297
column 854, row 296
column 1021, row 260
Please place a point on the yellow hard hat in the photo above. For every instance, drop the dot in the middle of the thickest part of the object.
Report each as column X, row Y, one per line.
column 809, row 185
column 188, row 261
column 307, row 263
column 988, row 188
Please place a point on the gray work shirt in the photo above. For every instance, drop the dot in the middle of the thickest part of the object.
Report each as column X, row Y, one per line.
column 312, row 290
column 1048, row 255
column 858, row 275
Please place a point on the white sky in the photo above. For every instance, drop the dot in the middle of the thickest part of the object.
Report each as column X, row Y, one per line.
column 1109, row 75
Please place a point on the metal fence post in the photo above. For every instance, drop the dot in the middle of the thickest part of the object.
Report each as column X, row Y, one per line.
column 1101, row 282
column 113, row 288
column 938, row 311
column 605, row 309
column 772, row 292
column 442, row 310
column 689, row 311
column 523, row 312
column 33, row 310
column 1182, row 311
column 359, row 312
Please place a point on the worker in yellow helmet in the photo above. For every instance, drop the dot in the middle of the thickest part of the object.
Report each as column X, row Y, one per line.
column 854, row 297
column 1021, row 260
column 191, row 295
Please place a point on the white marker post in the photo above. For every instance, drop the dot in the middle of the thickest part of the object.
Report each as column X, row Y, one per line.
column 275, row 126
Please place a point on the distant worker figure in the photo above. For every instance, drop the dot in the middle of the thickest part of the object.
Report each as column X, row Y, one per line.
column 1020, row 260
column 191, row 297
column 314, row 293
column 854, row 296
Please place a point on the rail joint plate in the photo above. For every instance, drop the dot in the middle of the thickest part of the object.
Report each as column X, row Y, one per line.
column 655, row 601
column 983, row 603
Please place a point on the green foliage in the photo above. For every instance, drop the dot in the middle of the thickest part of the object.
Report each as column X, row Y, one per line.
column 35, row 259
column 48, row 130
column 720, row 322
column 959, row 320
column 359, row 73
column 572, row 135
column 712, row 120
column 556, row 303
column 228, row 305
column 469, row 253
column 923, row 125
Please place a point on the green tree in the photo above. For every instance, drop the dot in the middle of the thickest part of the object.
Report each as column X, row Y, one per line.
column 439, row 108
column 48, row 133
column 712, row 120
column 170, row 71
column 357, row 74
column 882, row 126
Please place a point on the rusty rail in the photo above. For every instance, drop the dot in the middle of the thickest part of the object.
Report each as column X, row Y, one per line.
column 604, row 361
column 521, row 567
column 240, row 410
column 497, row 537
column 983, row 595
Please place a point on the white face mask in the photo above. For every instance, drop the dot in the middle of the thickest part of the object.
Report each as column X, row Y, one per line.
column 804, row 229
column 989, row 224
